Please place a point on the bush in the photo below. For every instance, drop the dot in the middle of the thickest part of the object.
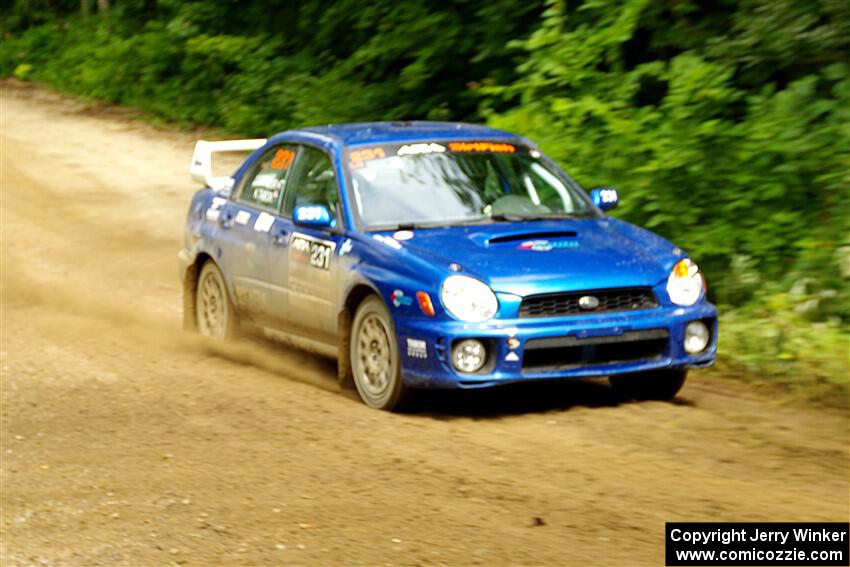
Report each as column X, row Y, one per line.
column 722, row 168
column 772, row 343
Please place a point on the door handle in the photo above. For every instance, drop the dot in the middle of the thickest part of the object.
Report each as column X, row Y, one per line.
column 226, row 219
column 281, row 238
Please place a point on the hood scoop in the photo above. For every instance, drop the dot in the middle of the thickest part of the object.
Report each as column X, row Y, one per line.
column 532, row 235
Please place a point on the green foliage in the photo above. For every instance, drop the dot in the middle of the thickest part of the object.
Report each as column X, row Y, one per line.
column 22, row 71
column 724, row 168
column 773, row 342
column 259, row 67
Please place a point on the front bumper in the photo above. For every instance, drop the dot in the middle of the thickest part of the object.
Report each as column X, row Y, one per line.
column 661, row 328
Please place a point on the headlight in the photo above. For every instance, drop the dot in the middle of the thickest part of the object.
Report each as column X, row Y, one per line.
column 469, row 299
column 685, row 284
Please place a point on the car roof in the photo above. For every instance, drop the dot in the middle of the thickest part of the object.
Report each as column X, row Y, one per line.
column 357, row 133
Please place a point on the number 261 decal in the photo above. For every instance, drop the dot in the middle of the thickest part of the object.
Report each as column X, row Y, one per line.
column 317, row 253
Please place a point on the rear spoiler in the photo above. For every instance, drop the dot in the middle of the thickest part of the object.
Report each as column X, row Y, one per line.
column 201, row 168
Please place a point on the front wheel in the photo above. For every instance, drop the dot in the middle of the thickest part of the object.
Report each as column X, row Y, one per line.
column 374, row 355
column 660, row 385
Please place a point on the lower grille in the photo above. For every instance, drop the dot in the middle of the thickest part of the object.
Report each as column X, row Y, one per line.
column 564, row 353
column 609, row 300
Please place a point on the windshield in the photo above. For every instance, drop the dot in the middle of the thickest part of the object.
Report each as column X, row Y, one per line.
column 440, row 184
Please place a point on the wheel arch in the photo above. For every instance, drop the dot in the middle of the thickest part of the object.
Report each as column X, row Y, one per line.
column 355, row 296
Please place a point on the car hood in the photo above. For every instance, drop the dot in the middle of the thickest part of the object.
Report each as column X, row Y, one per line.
column 547, row 256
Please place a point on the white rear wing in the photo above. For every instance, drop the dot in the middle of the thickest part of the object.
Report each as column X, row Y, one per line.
column 201, row 168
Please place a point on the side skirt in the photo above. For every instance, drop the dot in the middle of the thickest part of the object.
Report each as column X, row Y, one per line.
column 300, row 342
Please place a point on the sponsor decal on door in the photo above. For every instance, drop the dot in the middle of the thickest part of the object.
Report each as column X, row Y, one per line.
column 312, row 251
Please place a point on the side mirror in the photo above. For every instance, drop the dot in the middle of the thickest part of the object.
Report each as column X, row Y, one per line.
column 313, row 216
column 605, row 198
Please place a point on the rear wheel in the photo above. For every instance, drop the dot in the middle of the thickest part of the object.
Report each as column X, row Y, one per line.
column 374, row 355
column 661, row 385
column 214, row 312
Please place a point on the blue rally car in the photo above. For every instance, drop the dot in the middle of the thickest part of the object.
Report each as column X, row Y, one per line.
column 437, row 255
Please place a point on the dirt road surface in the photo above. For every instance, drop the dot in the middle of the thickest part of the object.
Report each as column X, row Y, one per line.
column 127, row 442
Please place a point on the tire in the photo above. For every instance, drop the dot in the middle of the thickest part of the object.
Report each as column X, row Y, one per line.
column 661, row 385
column 214, row 313
column 374, row 356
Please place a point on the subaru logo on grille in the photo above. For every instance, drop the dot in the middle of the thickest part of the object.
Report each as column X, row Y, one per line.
column 588, row 302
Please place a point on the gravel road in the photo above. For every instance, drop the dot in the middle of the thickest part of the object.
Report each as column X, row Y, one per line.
column 128, row 442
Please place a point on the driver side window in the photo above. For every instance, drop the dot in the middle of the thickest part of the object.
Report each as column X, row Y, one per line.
column 313, row 183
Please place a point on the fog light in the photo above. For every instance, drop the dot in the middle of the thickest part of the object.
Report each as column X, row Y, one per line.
column 696, row 337
column 469, row 355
